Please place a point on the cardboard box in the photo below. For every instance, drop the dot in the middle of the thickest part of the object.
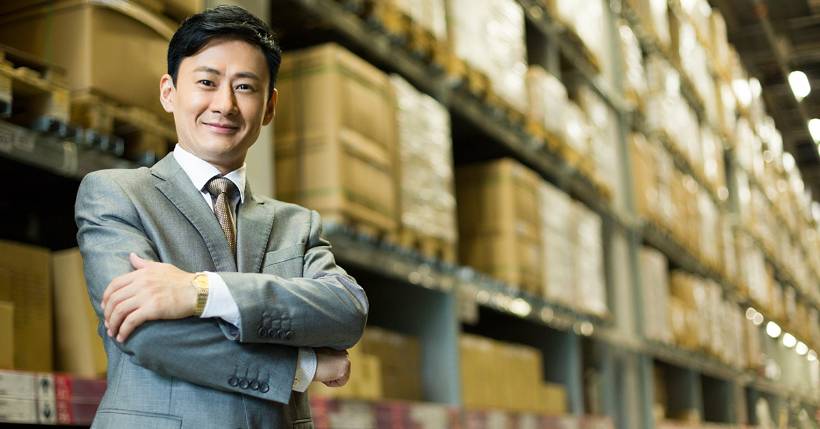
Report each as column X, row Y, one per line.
column 655, row 290
column 653, row 18
column 6, row 335
column 27, row 284
column 365, row 379
column 102, row 48
column 336, row 149
column 500, row 222
column 79, row 346
column 399, row 359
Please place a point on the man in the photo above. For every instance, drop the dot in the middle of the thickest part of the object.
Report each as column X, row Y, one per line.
column 218, row 307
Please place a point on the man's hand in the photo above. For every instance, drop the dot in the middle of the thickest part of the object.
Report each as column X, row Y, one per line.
column 152, row 291
column 332, row 367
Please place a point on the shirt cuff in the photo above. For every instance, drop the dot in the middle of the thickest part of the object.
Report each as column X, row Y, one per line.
column 305, row 369
column 220, row 301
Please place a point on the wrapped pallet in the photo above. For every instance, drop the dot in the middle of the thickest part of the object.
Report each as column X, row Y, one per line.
column 430, row 14
column 500, row 223
column 426, row 201
column 557, row 228
column 653, row 17
column 634, row 75
column 547, row 100
column 655, row 291
column 603, row 147
column 710, row 231
column 489, row 36
column 591, row 292
column 691, row 292
column 128, row 54
column 589, row 23
column 336, row 138
column 644, row 179
column 576, row 132
column 713, row 163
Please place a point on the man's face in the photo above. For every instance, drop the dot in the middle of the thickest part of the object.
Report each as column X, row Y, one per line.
column 220, row 101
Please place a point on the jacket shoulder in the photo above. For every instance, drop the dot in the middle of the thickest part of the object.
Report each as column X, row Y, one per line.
column 124, row 177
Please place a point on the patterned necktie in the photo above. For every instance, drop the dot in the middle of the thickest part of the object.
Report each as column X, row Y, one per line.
column 222, row 190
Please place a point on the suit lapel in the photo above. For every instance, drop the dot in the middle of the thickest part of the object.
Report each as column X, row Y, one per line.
column 254, row 224
column 177, row 187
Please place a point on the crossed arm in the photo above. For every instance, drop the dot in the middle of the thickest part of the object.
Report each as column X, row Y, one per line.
column 131, row 292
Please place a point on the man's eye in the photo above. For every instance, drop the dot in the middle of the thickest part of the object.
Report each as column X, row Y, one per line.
column 206, row 82
column 244, row 87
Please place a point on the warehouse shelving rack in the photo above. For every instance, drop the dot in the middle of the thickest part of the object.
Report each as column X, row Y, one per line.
column 436, row 301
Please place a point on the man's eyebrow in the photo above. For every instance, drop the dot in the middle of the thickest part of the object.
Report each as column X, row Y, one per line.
column 207, row 70
column 247, row 75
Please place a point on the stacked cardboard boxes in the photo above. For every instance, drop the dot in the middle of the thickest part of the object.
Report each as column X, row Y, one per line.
column 429, row 14
column 518, row 388
column 653, row 18
column 427, row 201
column 499, row 222
column 603, row 151
column 336, row 148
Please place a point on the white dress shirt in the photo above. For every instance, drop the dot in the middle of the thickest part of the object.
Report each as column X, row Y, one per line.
column 220, row 301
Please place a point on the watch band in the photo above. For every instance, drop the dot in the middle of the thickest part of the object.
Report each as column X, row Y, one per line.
column 200, row 282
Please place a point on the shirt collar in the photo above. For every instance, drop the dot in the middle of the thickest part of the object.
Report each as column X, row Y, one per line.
column 201, row 171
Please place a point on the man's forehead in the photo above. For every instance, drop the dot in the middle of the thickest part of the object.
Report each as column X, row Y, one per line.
column 214, row 55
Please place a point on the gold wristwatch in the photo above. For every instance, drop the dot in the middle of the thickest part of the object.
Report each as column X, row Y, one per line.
column 200, row 282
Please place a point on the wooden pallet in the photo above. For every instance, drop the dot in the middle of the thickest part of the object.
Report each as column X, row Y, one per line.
column 575, row 40
column 33, row 93
column 510, row 113
column 389, row 18
column 431, row 247
column 368, row 229
column 127, row 131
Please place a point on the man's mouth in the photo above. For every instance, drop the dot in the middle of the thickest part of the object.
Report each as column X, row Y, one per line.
column 222, row 128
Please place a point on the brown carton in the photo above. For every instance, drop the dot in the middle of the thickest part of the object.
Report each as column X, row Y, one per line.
column 6, row 335
column 79, row 346
column 336, row 149
column 500, row 222
column 121, row 53
column 27, row 284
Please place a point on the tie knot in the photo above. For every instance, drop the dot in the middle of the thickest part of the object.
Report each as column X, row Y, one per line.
column 220, row 185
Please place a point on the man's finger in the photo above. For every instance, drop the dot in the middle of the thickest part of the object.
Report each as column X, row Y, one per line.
column 137, row 262
column 117, row 297
column 133, row 321
column 117, row 283
column 120, row 312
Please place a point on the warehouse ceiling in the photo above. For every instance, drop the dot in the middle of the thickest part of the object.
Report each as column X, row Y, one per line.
column 774, row 37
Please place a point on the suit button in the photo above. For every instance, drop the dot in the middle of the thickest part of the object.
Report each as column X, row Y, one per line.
column 243, row 384
column 278, row 333
column 264, row 387
column 262, row 332
column 255, row 385
column 271, row 332
column 288, row 335
column 233, row 381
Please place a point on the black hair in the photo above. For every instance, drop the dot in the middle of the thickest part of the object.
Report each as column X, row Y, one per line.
column 224, row 21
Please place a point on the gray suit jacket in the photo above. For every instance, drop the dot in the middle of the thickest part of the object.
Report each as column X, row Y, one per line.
column 205, row 373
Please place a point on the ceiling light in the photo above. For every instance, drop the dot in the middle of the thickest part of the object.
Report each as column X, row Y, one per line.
column 799, row 84
column 773, row 330
column 789, row 340
column 814, row 129
column 812, row 356
column 801, row 348
column 754, row 85
column 788, row 162
column 757, row 319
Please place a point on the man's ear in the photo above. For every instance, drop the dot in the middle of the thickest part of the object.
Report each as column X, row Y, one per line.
column 167, row 93
column 270, row 108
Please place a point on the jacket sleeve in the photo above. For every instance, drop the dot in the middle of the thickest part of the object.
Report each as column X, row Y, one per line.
column 192, row 349
column 323, row 308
